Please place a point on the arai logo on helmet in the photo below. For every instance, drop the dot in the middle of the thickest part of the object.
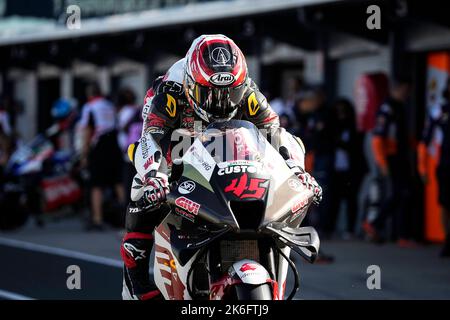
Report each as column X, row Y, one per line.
column 186, row 187
column 222, row 79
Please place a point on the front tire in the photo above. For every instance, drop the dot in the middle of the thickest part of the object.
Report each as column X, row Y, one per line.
column 253, row 292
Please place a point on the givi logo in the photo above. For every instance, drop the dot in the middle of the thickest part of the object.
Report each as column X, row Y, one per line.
column 188, row 205
column 248, row 267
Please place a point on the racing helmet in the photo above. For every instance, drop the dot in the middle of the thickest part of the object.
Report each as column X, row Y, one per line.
column 62, row 108
column 215, row 77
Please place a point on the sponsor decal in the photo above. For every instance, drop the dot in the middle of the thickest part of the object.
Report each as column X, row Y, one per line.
column 188, row 205
column 186, row 187
column 253, row 105
column 146, row 108
column 134, row 210
column 185, row 214
column 222, row 79
column 237, row 163
column 134, row 252
column 238, row 169
column 171, row 106
column 300, row 204
column 198, row 157
column 172, row 86
column 221, row 56
column 144, row 147
column 154, row 130
column 295, row 185
column 248, row 267
column 148, row 163
column 154, row 120
column 245, row 188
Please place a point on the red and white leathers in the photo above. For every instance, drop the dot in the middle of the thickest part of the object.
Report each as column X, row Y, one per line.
column 166, row 109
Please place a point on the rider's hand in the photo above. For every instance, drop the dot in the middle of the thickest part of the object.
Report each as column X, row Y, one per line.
column 306, row 179
column 309, row 182
column 151, row 194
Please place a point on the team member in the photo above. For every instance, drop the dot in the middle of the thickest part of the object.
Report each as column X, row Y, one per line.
column 100, row 151
column 391, row 148
column 439, row 121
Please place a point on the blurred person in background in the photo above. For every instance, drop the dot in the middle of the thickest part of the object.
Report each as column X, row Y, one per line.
column 64, row 115
column 345, row 178
column 312, row 124
column 391, row 151
column 130, row 128
column 5, row 138
column 100, row 152
column 439, row 120
column 287, row 122
column 5, row 125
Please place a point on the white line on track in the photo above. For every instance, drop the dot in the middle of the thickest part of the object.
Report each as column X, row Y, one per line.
column 60, row 252
column 13, row 296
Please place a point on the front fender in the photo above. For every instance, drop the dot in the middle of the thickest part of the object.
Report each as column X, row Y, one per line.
column 250, row 272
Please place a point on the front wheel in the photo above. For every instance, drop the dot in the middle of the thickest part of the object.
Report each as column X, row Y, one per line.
column 253, row 292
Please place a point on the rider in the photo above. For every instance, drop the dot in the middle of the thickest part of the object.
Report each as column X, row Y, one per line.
column 209, row 84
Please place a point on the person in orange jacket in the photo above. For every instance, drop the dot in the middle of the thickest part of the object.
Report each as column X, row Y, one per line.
column 438, row 120
column 390, row 149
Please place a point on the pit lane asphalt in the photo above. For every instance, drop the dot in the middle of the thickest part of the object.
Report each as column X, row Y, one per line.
column 34, row 263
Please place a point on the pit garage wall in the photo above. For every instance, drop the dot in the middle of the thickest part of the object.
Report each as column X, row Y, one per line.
column 26, row 87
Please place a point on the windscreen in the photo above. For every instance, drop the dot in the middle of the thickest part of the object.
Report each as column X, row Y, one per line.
column 234, row 140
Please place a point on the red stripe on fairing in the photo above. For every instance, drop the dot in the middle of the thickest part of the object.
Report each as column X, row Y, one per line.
column 149, row 295
column 162, row 260
column 166, row 274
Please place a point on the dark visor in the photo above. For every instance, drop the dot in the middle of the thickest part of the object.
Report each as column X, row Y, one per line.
column 219, row 102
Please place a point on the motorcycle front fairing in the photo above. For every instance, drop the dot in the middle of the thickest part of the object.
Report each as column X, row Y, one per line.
column 233, row 182
column 233, row 161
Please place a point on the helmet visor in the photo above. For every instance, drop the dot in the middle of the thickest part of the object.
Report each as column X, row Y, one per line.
column 220, row 103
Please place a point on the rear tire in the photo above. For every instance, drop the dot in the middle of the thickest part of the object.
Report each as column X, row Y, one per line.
column 253, row 292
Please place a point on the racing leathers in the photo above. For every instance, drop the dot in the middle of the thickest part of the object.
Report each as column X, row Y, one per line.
column 165, row 110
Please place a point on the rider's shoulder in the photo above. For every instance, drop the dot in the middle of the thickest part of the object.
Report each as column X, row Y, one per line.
column 172, row 81
column 253, row 100
column 176, row 72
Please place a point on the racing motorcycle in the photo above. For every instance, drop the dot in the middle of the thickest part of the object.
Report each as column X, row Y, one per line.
column 235, row 215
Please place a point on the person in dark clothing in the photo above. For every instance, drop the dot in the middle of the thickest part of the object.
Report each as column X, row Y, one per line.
column 101, row 153
column 345, row 174
column 313, row 125
column 130, row 128
column 391, row 152
column 440, row 120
